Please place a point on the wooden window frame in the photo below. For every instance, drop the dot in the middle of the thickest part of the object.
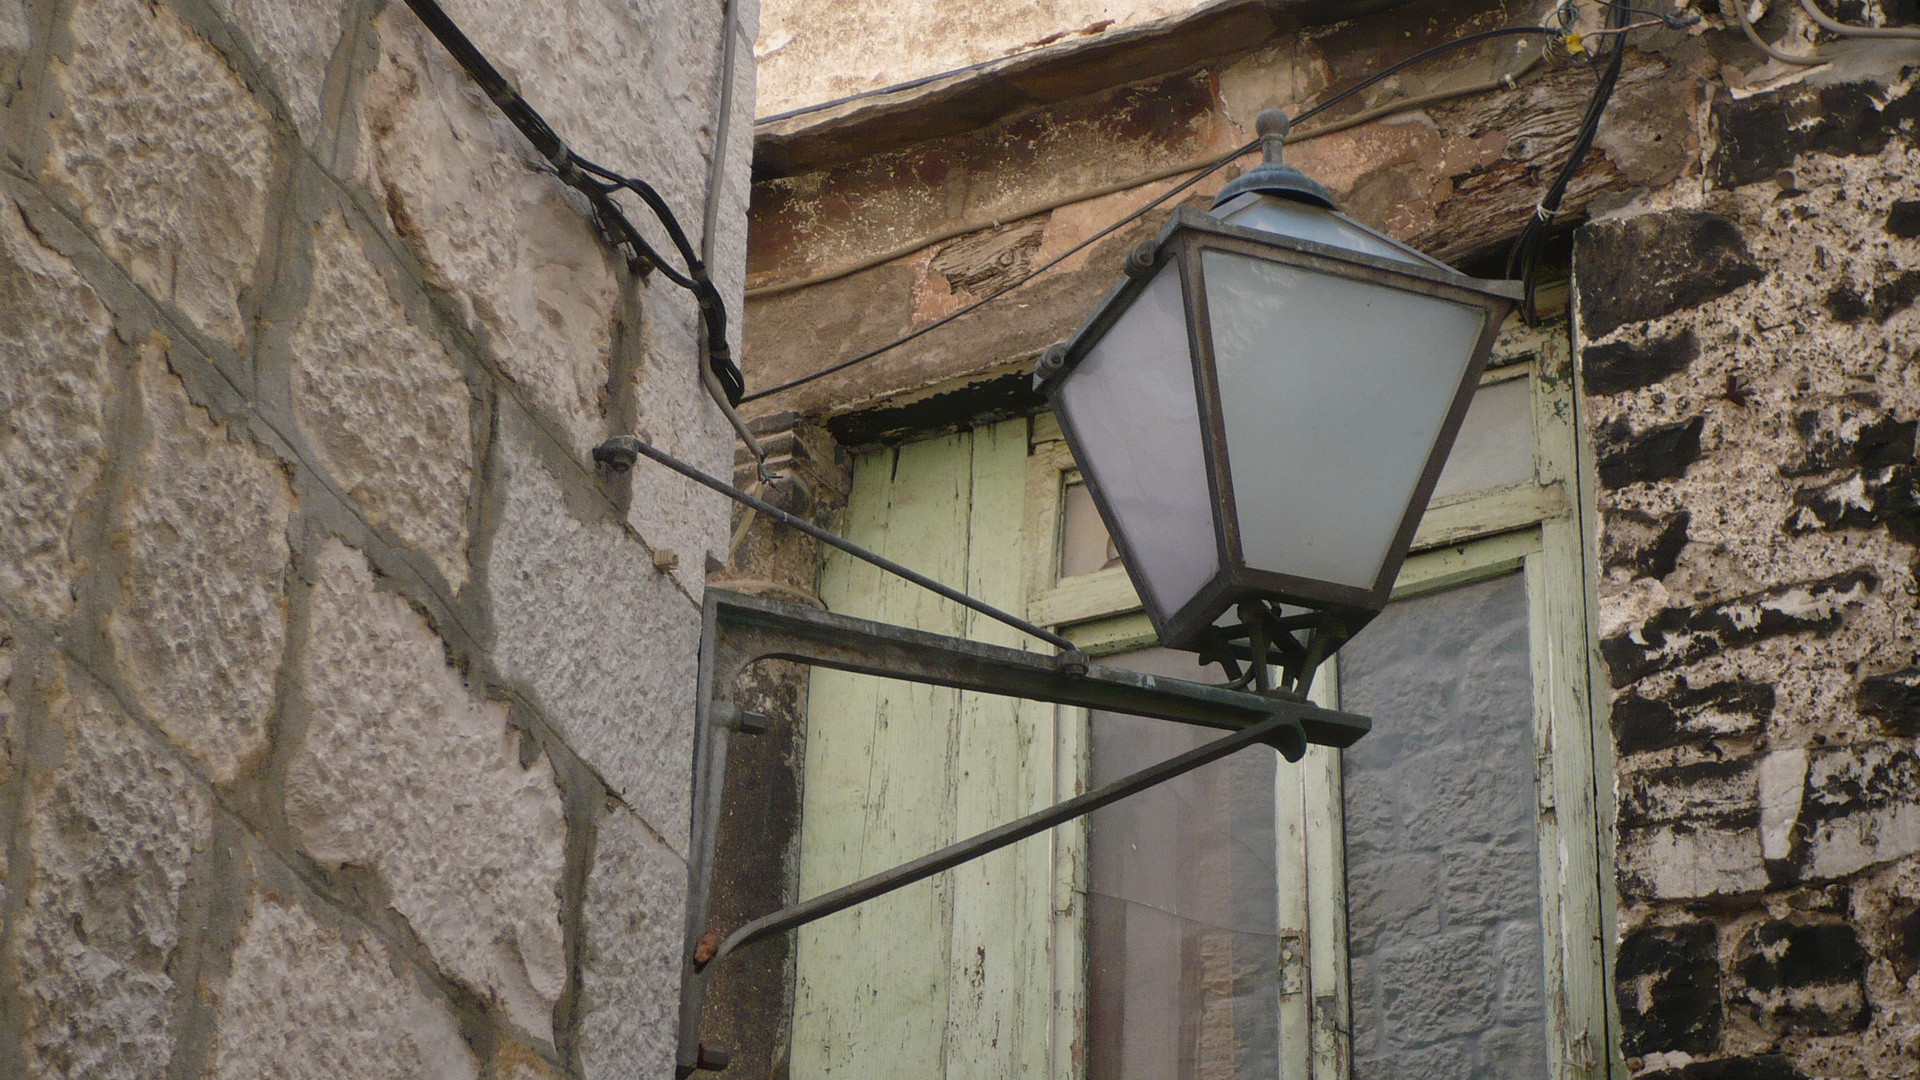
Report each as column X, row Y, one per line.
column 1540, row 527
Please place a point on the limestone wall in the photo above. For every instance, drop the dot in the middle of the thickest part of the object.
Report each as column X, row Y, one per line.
column 345, row 706
column 1748, row 352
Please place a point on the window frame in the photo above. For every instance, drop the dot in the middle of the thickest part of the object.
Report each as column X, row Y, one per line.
column 1539, row 527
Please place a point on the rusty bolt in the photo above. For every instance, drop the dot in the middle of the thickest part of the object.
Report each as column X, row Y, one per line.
column 704, row 949
column 1141, row 260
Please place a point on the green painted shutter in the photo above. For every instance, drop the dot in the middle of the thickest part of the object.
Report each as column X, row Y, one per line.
column 951, row 977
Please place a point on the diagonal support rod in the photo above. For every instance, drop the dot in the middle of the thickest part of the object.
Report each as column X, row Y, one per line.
column 619, row 452
column 1282, row 730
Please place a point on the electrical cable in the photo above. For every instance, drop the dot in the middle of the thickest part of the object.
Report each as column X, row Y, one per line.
column 579, row 173
column 1523, row 260
column 1205, row 171
column 709, row 227
column 1746, row 24
column 1836, row 27
column 1295, row 138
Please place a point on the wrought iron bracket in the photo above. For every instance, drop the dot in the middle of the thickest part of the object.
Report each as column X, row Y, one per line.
column 740, row 630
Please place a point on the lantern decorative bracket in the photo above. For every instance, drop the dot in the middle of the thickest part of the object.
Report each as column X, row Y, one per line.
column 739, row 630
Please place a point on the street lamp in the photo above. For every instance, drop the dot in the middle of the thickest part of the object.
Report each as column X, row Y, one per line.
column 1261, row 408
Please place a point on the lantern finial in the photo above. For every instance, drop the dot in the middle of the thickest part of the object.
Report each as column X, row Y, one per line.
column 1271, row 176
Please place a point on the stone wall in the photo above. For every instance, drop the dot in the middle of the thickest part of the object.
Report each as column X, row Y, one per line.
column 1748, row 341
column 345, row 706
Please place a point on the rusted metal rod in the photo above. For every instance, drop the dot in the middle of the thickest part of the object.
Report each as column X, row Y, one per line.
column 1283, row 729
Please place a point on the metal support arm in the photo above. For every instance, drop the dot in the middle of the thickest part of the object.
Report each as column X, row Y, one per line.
column 742, row 630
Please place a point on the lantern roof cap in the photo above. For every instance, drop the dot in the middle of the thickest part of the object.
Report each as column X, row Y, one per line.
column 1272, row 176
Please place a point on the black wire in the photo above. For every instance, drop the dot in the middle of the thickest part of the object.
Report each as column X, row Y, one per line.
column 578, row 173
column 1523, row 260
column 1210, row 169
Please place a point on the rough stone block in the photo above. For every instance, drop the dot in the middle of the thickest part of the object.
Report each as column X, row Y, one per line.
column 295, row 41
column 1683, row 860
column 1722, row 792
column 1654, row 453
column 1763, row 134
column 1903, row 219
column 1847, row 433
column 1903, row 944
column 1892, row 699
column 1863, row 500
column 1803, row 979
column 1763, row 1067
column 603, row 641
column 1683, row 635
column 53, row 393
column 1862, row 808
column 383, row 403
column 1643, row 545
column 201, row 615
column 1879, row 301
column 166, row 155
column 1735, row 709
column 530, row 274
column 112, row 834
column 634, row 914
column 403, row 771
column 1644, row 267
column 309, row 1001
column 1619, row 366
column 1668, row 986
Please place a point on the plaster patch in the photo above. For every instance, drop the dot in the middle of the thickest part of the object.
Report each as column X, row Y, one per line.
column 385, row 406
column 113, row 832
column 53, row 400
column 1673, row 862
column 402, row 770
column 201, row 615
column 166, row 155
column 308, row 1002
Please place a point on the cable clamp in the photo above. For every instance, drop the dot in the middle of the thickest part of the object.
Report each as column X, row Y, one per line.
column 1540, row 211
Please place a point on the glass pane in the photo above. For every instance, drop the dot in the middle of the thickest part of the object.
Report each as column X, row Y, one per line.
column 1333, row 392
column 1443, row 873
column 1132, row 408
column 1085, row 545
column 1495, row 444
column 1183, row 972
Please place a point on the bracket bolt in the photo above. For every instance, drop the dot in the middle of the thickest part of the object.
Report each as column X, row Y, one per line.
column 618, row 453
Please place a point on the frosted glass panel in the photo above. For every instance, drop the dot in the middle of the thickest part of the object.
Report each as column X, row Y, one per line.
column 1443, row 861
column 1131, row 404
column 1182, row 956
column 1495, row 444
column 1322, row 226
column 1329, row 420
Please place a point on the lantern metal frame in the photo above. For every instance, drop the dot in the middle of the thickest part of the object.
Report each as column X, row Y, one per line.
column 1336, row 611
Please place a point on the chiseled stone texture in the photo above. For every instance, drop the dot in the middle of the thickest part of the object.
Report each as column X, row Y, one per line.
column 306, row 1001
column 295, row 41
column 167, row 156
column 201, row 618
column 383, row 404
column 527, row 268
column 53, row 391
column 634, row 914
column 403, row 770
column 114, row 829
column 606, row 642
